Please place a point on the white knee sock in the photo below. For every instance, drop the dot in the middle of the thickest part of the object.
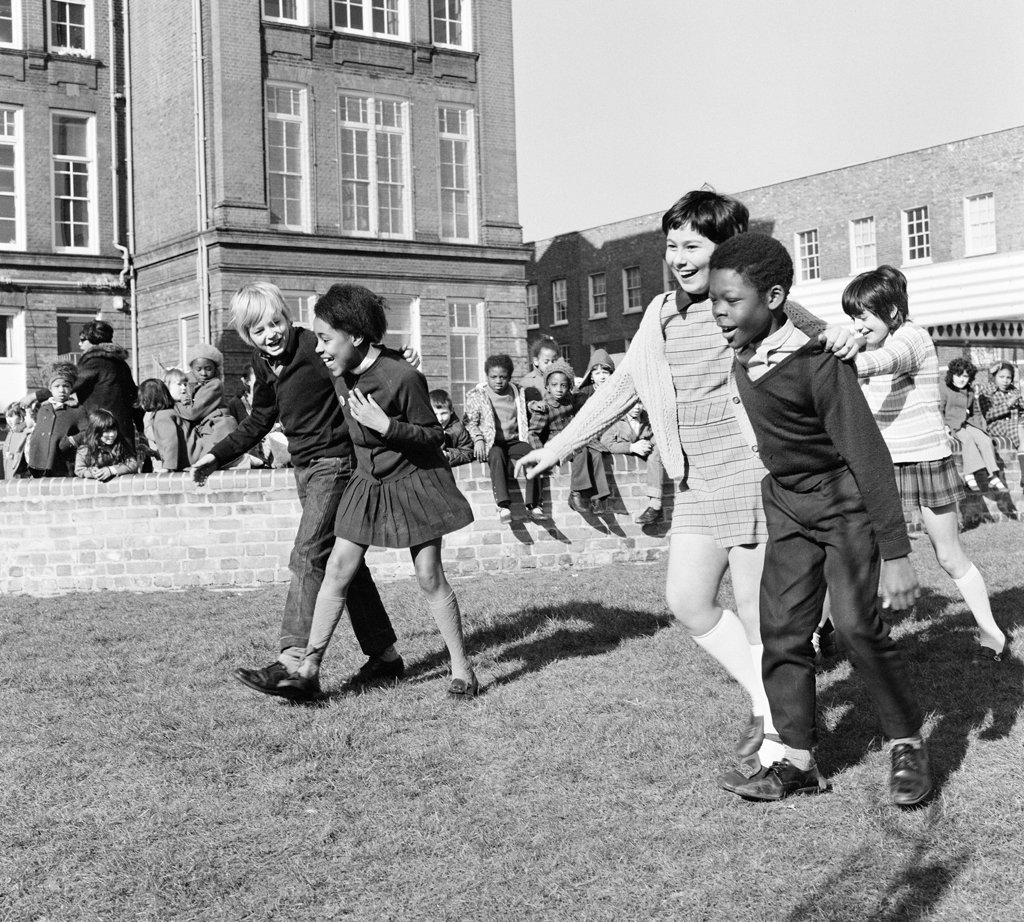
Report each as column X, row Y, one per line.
column 727, row 642
column 326, row 613
column 972, row 588
column 449, row 622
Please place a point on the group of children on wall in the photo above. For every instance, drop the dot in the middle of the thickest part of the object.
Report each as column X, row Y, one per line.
column 175, row 420
column 504, row 421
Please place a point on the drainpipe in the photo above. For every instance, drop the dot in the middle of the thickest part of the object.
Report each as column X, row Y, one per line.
column 129, row 254
column 202, row 221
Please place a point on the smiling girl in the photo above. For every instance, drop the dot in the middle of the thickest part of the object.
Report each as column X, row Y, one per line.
column 402, row 493
column 105, row 452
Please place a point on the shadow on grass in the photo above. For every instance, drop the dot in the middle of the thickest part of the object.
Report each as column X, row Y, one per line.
column 964, row 698
column 909, row 895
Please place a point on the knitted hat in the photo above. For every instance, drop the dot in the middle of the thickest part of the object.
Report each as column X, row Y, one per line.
column 560, row 366
column 37, row 395
column 206, row 351
column 62, row 371
column 600, row 357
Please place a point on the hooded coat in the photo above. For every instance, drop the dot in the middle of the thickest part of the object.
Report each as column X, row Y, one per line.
column 105, row 383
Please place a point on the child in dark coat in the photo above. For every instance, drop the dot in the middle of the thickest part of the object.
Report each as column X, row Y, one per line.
column 51, row 447
column 458, row 446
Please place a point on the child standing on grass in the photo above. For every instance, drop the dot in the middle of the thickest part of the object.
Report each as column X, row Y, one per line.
column 496, row 421
column 1002, row 405
column 458, row 446
column 161, row 426
column 402, row 493
column 900, row 379
column 834, row 519
column 52, row 443
column 552, row 414
column 963, row 420
column 105, row 453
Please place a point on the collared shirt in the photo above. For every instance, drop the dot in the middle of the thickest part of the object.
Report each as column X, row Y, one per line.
column 772, row 350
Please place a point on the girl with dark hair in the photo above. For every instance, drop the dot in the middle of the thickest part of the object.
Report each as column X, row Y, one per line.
column 961, row 414
column 105, row 452
column 1002, row 405
column 402, row 493
column 104, row 380
column 899, row 374
column 161, row 424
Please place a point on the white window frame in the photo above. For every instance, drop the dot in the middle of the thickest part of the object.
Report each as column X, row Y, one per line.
column 464, row 17
column 979, row 235
column 401, row 34
column 88, row 33
column 861, row 247
column 479, row 331
column 532, row 307
column 183, row 342
column 16, row 141
column 564, row 351
column 10, row 343
column 598, row 299
column 919, row 213
column 628, row 308
column 302, row 120
column 559, row 296
column 403, row 336
column 808, row 252
column 15, row 41
column 465, row 137
column 372, row 130
column 91, row 179
column 301, row 17
column 300, row 306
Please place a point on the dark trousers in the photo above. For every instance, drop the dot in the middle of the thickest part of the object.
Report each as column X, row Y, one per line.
column 500, row 459
column 587, row 473
column 320, row 485
column 817, row 539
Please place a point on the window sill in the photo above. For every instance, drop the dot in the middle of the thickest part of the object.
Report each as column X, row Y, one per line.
column 559, row 323
column 988, row 252
column 598, row 317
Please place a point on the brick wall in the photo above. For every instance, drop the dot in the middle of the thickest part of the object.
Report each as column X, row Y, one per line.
column 159, row 531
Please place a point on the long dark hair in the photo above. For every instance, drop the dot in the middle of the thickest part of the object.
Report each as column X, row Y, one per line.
column 96, row 453
column 960, row 366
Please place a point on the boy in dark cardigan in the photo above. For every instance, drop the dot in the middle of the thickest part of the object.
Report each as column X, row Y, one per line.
column 834, row 519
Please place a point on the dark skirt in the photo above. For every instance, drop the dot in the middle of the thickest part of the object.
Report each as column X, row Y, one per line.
column 931, row 484
column 415, row 509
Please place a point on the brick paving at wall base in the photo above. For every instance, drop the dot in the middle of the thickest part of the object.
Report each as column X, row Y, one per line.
column 160, row 531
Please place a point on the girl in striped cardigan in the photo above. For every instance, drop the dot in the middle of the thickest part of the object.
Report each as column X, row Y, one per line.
column 900, row 378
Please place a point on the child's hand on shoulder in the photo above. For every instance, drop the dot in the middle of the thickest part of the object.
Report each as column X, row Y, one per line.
column 367, row 412
column 843, row 342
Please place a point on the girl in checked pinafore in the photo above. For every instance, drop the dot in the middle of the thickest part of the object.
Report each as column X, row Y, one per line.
column 402, row 494
column 678, row 365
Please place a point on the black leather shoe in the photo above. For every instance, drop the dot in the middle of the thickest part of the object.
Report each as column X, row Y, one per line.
column 597, row 506
column 267, row 680
column 461, row 689
column 782, row 780
column 650, row 516
column 730, row 780
column 375, row 671
column 909, row 781
column 300, row 688
column 578, row 502
column 988, row 655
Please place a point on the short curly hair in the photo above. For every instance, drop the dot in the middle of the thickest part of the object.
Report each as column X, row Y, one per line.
column 960, row 366
column 760, row 259
column 355, row 310
column 499, row 361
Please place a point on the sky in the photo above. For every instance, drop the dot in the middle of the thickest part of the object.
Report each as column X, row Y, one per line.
column 624, row 105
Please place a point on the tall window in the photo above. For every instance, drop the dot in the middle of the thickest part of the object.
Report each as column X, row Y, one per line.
column 188, row 335
column 564, row 351
column 12, row 215
column 387, row 18
column 631, row 295
column 863, row 249
column 451, row 22
column 917, row 237
column 293, row 11
column 71, row 26
column 980, row 224
column 807, row 255
column 286, row 156
column 6, row 336
column 73, row 181
column 560, row 301
column 300, row 306
column 532, row 307
column 455, row 127
column 10, row 23
column 403, row 322
column 597, row 288
column 374, row 159
column 466, row 348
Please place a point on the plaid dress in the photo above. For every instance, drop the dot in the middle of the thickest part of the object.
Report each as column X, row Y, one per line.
column 721, row 494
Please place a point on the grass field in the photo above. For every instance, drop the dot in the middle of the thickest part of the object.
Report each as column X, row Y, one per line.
column 141, row 782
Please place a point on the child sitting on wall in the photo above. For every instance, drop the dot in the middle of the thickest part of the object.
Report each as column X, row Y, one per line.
column 458, row 446
column 552, row 414
column 105, row 452
column 204, row 409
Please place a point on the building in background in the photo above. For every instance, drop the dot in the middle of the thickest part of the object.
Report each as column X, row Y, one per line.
column 951, row 217
column 215, row 142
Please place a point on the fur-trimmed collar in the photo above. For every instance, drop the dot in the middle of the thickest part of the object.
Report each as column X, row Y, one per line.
column 105, row 351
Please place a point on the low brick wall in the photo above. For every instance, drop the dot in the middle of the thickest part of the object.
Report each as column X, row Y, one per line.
column 160, row 531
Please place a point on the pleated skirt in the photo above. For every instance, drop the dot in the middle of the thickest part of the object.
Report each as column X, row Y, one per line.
column 415, row 509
